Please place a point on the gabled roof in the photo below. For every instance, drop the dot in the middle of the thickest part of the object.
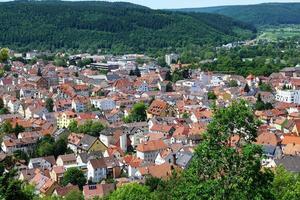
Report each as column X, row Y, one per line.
column 98, row 163
column 157, row 107
column 154, row 145
column 291, row 163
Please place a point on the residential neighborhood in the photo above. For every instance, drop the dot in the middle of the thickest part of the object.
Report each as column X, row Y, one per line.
column 131, row 122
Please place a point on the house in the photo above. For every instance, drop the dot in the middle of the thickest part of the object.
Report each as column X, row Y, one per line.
column 162, row 128
column 57, row 173
column 42, row 162
column 97, row 170
column 38, row 82
column 148, row 150
column 43, row 184
column 113, row 167
column 82, row 90
column 97, row 190
column 162, row 171
column 13, row 105
column 201, row 116
column 35, row 112
column 10, row 145
column 83, row 158
column 63, row 191
column 65, row 118
column 80, row 143
column 290, row 163
column 157, row 108
column 66, row 160
column 80, row 104
column 103, row 104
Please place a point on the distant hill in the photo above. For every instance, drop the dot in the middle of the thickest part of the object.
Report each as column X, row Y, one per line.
column 260, row 14
column 123, row 27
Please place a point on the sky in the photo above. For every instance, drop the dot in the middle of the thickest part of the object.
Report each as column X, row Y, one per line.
column 162, row 4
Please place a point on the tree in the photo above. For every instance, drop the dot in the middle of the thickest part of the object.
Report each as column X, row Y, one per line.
column 39, row 72
column 74, row 176
column 211, row 95
column 153, row 183
column 6, row 127
column 246, row 88
column 11, row 188
column 90, row 127
column 265, row 87
column 73, row 126
column 286, row 185
column 168, row 76
column 137, row 71
column 4, row 54
column 169, row 87
column 49, row 104
column 138, row 113
column 18, row 129
column 74, row 195
column 48, row 146
column 220, row 171
column 1, row 103
column 132, row 191
column 261, row 105
column 232, row 83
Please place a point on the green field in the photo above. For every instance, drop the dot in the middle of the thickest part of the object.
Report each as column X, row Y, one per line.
column 281, row 32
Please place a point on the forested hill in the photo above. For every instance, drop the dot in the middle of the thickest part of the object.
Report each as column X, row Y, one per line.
column 260, row 14
column 122, row 27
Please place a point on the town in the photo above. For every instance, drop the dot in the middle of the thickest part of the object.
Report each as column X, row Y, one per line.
column 96, row 122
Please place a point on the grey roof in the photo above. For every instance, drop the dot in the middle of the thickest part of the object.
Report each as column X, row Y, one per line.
column 291, row 163
column 269, row 149
column 85, row 157
column 86, row 142
column 112, row 77
column 183, row 159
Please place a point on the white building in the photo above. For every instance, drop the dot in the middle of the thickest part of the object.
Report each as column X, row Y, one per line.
column 169, row 58
column 96, row 170
column 288, row 96
column 104, row 104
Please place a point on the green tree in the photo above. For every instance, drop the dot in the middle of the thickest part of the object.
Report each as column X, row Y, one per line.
column 232, row 83
column 211, row 95
column 4, row 54
column 39, row 72
column 18, row 129
column 169, row 87
column 73, row 126
column 132, row 191
column 6, row 127
column 286, row 185
column 246, row 88
column 49, row 104
column 74, row 176
column 74, row 195
column 1, row 103
column 11, row 188
column 137, row 71
column 47, row 146
column 265, row 87
column 138, row 113
column 153, row 183
column 219, row 170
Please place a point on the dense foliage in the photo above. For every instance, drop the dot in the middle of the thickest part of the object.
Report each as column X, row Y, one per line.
column 74, row 176
column 137, row 114
column 89, row 127
column 122, row 27
column 261, row 14
column 261, row 59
